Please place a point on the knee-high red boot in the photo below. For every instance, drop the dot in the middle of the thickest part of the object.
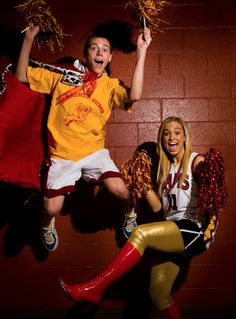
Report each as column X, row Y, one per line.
column 92, row 290
column 171, row 312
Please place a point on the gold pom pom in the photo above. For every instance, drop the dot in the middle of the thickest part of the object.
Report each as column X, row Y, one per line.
column 148, row 12
column 38, row 12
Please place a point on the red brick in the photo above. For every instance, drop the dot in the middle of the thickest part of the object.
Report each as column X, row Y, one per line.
column 121, row 135
column 226, row 227
column 122, row 154
column 222, row 62
column 111, row 119
column 152, row 64
column 170, row 40
column 229, row 156
column 91, row 19
column 50, row 280
column 8, row 264
column 198, row 30
column 54, row 259
column 87, row 255
column 164, row 87
column 200, row 15
column 221, row 14
column 200, row 276
column 228, row 211
column 148, row 132
column 183, row 16
column 68, row 232
column 188, row 109
column 146, row 110
column 207, row 86
column 184, row 63
column 210, row 39
column 222, row 110
column 218, row 253
column 229, row 177
column 123, row 64
column 107, row 236
column 211, row 133
column 25, row 283
column 212, row 297
column 112, row 152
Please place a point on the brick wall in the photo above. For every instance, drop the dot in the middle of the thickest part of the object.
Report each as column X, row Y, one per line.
column 190, row 72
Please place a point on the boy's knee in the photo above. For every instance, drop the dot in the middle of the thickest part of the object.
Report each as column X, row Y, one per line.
column 52, row 208
column 118, row 188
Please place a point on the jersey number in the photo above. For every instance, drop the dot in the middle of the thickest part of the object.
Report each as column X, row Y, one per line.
column 172, row 202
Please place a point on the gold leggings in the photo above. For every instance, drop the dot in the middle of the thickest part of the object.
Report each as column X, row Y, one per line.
column 162, row 279
column 165, row 237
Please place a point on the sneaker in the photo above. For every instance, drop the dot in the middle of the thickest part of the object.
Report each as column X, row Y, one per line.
column 49, row 236
column 129, row 224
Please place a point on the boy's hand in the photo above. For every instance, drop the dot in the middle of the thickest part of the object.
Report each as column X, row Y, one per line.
column 32, row 31
column 144, row 39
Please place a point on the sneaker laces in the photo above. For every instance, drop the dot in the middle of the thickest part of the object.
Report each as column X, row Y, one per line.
column 51, row 226
column 130, row 221
column 49, row 237
column 48, row 231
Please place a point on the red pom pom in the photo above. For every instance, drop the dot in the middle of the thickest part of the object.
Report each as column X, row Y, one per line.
column 212, row 194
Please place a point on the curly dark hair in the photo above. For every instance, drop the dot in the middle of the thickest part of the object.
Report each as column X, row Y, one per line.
column 119, row 33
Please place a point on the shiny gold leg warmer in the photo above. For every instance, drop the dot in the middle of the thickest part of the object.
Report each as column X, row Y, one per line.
column 162, row 280
column 162, row 236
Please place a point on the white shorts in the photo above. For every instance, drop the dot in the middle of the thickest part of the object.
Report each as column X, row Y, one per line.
column 63, row 174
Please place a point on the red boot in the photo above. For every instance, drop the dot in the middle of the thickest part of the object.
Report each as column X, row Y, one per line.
column 92, row 290
column 171, row 312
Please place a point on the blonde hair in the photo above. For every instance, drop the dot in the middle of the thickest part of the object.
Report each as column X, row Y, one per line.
column 164, row 160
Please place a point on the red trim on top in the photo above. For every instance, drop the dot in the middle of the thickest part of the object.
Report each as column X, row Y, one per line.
column 105, row 175
column 50, row 193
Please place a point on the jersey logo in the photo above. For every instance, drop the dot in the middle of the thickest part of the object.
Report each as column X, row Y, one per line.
column 78, row 115
column 172, row 202
column 85, row 90
column 171, row 182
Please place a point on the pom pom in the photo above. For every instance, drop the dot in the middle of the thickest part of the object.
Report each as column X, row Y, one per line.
column 39, row 13
column 136, row 173
column 210, row 175
column 148, row 12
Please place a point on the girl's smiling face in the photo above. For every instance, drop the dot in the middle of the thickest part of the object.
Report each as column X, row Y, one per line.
column 173, row 139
